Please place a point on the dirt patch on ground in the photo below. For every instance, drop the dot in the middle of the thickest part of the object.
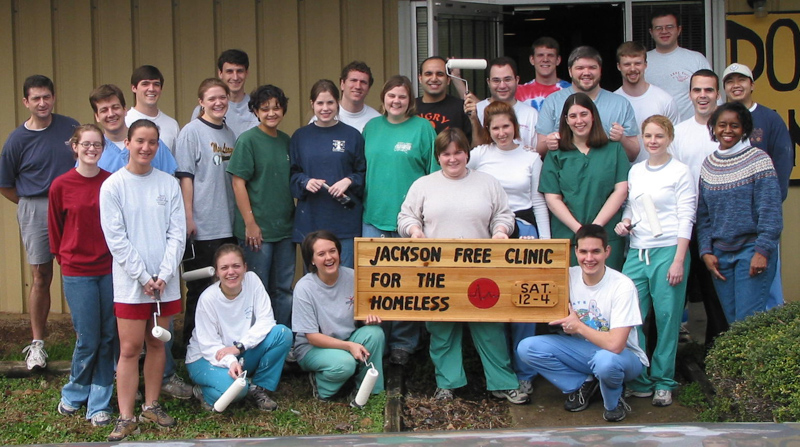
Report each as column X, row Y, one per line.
column 471, row 409
column 16, row 330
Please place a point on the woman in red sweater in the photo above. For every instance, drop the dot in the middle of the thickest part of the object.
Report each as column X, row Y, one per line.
column 76, row 242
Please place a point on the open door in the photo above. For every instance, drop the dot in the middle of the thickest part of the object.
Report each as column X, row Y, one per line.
column 489, row 28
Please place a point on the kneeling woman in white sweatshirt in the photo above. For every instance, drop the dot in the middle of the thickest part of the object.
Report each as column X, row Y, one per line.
column 234, row 321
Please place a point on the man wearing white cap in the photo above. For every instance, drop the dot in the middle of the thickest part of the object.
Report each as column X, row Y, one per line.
column 770, row 134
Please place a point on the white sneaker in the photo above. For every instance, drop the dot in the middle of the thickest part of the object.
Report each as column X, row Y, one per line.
column 632, row 393
column 662, row 398
column 101, row 419
column 36, row 356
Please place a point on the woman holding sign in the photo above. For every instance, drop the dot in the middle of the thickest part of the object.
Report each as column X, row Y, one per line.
column 329, row 343
column 234, row 322
column 661, row 201
column 458, row 202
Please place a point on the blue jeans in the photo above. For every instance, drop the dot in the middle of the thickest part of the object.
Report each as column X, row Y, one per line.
column 347, row 256
column 776, row 289
column 567, row 361
column 519, row 332
column 402, row 335
column 263, row 363
column 91, row 379
column 274, row 264
column 742, row 295
column 332, row 367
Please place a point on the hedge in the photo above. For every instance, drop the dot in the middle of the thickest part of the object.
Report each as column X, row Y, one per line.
column 755, row 368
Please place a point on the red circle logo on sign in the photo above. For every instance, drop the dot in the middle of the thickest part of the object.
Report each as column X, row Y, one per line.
column 483, row 293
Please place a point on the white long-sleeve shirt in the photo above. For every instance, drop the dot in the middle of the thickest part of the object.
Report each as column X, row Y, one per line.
column 219, row 322
column 144, row 224
column 518, row 172
column 674, row 194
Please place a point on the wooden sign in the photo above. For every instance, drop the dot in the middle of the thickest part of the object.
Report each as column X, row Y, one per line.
column 510, row 280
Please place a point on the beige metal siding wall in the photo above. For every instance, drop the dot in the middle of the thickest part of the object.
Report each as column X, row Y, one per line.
column 84, row 43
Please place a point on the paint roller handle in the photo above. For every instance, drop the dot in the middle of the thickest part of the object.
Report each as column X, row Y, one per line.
column 358, row 351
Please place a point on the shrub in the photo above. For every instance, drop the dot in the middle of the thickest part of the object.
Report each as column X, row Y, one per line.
column 755, row 368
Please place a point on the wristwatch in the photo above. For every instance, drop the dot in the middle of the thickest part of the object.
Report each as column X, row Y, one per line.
column 239, row 346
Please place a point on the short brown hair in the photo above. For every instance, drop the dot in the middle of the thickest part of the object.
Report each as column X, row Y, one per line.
column 631, row 49
column 104, row 92
column 597, row 136
column 400, row 81
column 447, row 136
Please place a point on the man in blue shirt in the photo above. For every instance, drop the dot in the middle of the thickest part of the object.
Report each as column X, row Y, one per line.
column 34, row 154
column 108, row 104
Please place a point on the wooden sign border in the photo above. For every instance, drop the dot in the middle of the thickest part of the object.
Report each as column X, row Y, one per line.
column 425, row 304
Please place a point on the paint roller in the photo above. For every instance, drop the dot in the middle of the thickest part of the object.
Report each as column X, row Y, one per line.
column 234, row 390
column 159, row 332
column 464, row 64
column 367, row 385
column 203, row 273
column 652, row 215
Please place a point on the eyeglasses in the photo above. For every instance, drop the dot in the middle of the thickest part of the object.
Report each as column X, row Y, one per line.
column 87, row 145
column 497, row 81
column 662, row 28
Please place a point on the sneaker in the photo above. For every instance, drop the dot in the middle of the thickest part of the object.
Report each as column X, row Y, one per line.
column 399, row 357
column 633, row 393
column 663, row 398
column 262, row 400
column 101, row 419
column 36, row 355
column 290, row 357
column 618, row 413
column 526, row 387
column 66, row 410
column 198, row 394
column 155, row 413
column 443, row 394
column 513, row 396
column 579, row 400
column 123, row 428
column 176, row 387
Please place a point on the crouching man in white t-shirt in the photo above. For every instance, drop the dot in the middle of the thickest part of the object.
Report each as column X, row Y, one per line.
column 598, row 348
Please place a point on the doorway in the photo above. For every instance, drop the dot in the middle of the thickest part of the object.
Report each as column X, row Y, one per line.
column 486, row 29
column 601, row 25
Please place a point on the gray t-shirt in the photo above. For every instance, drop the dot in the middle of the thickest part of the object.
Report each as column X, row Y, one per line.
column 322, row 309
column 202, row 152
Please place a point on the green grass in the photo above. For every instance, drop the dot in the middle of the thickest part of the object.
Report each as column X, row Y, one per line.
column 56, row 350
column 29, row 416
